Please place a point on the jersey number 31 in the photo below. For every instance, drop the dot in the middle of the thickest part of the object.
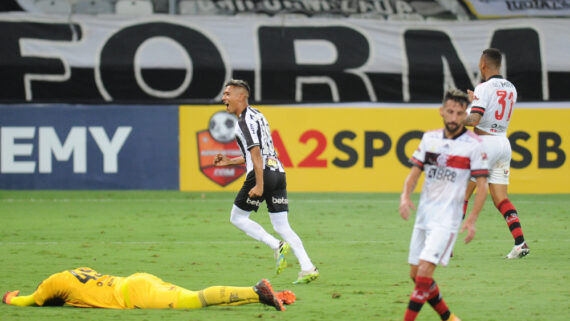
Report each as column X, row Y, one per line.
column 503, row 102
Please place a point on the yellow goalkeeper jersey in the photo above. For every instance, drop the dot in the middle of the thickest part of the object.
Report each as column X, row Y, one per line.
column 83, row 287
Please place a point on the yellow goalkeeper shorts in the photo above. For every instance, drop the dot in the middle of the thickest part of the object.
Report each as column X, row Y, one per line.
column 146, row 291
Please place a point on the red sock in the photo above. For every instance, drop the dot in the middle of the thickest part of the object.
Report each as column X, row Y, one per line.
column 418, row 297
column 437, row 302
column 510, row 214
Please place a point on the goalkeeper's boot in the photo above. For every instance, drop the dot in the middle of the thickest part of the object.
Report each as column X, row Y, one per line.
column 518, row 251
column 280, row 253
column 307, row 276
column 287, row 296
column 267, row 295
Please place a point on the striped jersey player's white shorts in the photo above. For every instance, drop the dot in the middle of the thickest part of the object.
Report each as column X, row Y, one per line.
column 431, row 245
column 498, row 149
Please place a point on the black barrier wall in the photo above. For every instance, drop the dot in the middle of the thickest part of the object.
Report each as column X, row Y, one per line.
column 172, row 59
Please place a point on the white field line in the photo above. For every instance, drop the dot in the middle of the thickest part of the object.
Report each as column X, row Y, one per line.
column 169, row 242
column 177, row 200
column 43, row 243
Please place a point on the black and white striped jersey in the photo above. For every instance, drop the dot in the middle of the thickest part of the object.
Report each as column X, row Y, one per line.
column 253, row 130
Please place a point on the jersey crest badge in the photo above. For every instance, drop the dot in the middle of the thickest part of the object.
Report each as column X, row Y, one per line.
column 442, row 160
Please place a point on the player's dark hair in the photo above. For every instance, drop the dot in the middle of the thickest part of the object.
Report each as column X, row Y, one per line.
column 456, row 95
column 239, row 83
column 493, row 56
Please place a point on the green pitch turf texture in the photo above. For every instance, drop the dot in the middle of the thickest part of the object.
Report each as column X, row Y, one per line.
column 358, row 241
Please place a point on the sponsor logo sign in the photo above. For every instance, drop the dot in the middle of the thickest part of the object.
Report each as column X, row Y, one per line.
column 523, row 8
column 219, row 138
column 88, row 147
column 367, row 149
column 208, row 148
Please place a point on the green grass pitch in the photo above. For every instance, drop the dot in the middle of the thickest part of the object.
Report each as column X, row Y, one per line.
column 357, row 240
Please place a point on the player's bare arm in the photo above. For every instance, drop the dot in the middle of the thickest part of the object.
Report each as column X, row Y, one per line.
column 257, row 190
column 472, row 120
column 223, row 160
column 406, row 203
column 469, row 223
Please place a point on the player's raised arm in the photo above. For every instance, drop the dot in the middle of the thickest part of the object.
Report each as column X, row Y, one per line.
column 471, row 95
column 472, row 120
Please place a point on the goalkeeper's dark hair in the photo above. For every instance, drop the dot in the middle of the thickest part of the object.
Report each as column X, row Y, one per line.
column 493, row 57
column 239, row 83
column 456, row 95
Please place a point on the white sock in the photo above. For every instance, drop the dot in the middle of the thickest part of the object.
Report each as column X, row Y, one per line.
column 241, row 220
column 281, row 226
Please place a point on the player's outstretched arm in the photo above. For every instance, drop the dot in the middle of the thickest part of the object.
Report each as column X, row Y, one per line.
column 12, row 298
column 406, row 204
column 223, row 160
column 469, row 223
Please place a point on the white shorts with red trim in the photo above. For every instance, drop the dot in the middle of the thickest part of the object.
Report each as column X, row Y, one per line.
column 432, row 245
column 498, row 149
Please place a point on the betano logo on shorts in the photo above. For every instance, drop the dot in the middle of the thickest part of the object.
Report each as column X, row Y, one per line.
column 253, row 202
column 219, row 138
column 281, row 200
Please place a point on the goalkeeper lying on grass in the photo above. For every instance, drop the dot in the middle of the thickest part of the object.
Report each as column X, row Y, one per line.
column 85, row 288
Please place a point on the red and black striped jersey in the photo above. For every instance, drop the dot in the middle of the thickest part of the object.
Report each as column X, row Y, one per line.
column 494, row 100
column 448, row 165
